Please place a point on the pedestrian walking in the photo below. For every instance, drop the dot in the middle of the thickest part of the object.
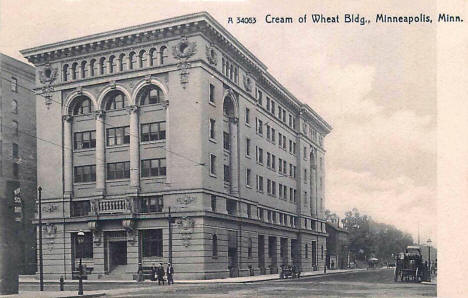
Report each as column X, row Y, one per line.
column 153, row 272
column 161, row 274
column 170, row 274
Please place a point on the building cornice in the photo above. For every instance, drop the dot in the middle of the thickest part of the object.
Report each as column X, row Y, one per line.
column 155, row 31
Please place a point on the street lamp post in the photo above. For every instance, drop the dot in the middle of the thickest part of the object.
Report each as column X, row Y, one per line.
column 41, row 266
column 80, row 239
column 429, row 248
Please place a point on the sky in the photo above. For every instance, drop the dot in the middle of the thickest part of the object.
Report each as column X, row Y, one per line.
column 375, row 84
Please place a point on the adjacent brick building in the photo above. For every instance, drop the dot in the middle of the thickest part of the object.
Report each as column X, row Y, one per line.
column 176, row 114
column 17, row 168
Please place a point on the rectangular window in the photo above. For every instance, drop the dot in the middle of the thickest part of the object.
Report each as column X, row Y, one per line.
column 260, row 97
column 227, row 173
column 151, row 204
column 249, row 211
column 14, row 85
column 85, row 140
column 80, row 208
column 212, row 164
column 212, row 129
column 15, row 170
column 153, row 167
column 226, row 141
column 291, row 195
column 272, row 107
column 212, row 93
column 294, row 171
column 273, row 188
column 285, row 192
column 260, row 183
column 290, row 170
column 273, row 135
column 247, row 115
column 268, row 159
column 118, row 170
column 305, row 153
column 280, row 139
column 260, row 155
column 284, row 142
column 269, row 186
column 213, row 203
column 85, row 173
column 268, row 132
column 280, row 190
column 294, row 148
column 259, row 127
column 153, row 131
column 290, row 121
column 273, row 162
column 14, row 150
column 268, row 103
column 152, row 243
column 294, row 196
column 280, row 165
column 305, row 176
column 247, row 146
column 290, row 146
column 248, row 174
column 118, row 136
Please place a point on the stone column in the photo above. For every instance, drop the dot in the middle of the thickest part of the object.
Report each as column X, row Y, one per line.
column 68, row 155
column 100, row 153
column 134, row 148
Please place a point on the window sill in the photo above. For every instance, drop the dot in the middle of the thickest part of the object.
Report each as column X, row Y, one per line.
column 84, row 150
column 213, row 175
column 117, row 180
column 212, row 140
column 248, row 186
column 117, row 146
column 212, row 103
column 248, row 156
column 151, row 177
column 84, row 183
column 153, row 142
column 247, row 124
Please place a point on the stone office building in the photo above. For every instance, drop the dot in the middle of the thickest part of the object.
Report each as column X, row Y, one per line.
column 17, row 172
column 176, row 115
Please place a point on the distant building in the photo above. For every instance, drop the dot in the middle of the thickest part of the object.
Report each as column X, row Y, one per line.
column 337, row 247
column 176, row 114
column 17, row 163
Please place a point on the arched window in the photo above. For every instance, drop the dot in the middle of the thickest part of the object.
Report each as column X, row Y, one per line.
column 162, row 55
column 92, row 68
column 150, row 95
column 111, row 64
column 152, row 57
column 14, row 126
column 102, row 65
column 131, row 60
column 141, row 59
column 122, row 62
column 65, row 72
column 214, row 245
column 83, row 69
column 115, row 100
column 14, row 106
column 74, row 71
column 228, row 107
column 82, row 105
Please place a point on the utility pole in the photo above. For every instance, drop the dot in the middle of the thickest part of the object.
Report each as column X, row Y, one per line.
column 41, row 267
column 169, row 219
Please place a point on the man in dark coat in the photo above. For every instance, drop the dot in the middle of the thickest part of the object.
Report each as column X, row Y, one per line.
column 161, row 274
column 170, row 273
column 153, row 272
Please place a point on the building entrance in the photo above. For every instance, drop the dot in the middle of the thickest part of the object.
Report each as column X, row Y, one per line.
column 232, row 254
column 261, row 253
column 115, row 250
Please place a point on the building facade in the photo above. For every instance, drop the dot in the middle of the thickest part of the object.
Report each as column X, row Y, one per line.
column 176, row 116
column 17, row 167
column 337, row 247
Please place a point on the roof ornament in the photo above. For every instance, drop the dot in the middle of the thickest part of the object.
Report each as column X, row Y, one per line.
column 211, row 54
column 182, row 51
column 47, row 76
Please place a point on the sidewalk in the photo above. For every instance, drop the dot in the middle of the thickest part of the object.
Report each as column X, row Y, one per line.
column 245, row 279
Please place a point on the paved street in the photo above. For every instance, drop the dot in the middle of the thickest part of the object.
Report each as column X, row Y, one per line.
column 375, row 283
